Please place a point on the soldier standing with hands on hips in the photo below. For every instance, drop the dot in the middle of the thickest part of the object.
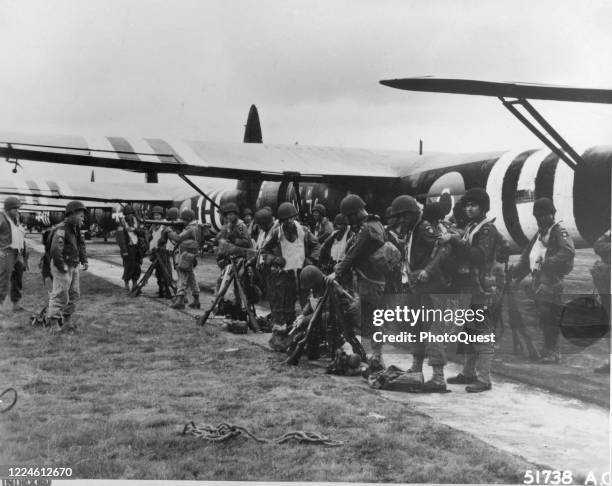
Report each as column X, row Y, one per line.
column 13, row 255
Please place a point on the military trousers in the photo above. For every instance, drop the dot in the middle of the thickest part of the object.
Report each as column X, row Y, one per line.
column 11, row 275
column 187, row 282
column 64, row 294
column 478, row 357
column 132, row 264
column 282, row 293
column 549, row 310
column 371, row 297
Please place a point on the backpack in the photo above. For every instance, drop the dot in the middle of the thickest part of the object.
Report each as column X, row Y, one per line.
column 387, row 257
column 45, row 260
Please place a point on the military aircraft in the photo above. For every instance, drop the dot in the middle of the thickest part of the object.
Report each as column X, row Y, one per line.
column 268, row 175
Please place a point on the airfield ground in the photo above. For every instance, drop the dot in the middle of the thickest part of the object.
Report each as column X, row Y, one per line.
column 111, row 401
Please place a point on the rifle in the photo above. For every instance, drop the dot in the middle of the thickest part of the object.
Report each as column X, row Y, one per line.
column 294, row 358
column 147, row 275
column 249, row 307
column 517, row 325
column 163, row 222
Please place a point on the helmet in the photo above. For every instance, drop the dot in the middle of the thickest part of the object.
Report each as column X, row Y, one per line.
column 187, row 215
column 158, row 210
column 351, row 204
column 478, row 196
column 543, row 206
column 340, row 219
column 404, row 204
column 12, row 202
column 128, row 210
column 263, row 216
column 229, row 208
column 433, row 212
column 286, row 210
column 74, row 206
column 247, row 211
column 311, row 277
column 172, row 214
column 320, row 208
column 388, row 212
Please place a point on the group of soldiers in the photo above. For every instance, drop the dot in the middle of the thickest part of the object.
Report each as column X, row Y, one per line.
column 357, row 264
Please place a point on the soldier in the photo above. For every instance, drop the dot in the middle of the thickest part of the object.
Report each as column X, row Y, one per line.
column 13, row 254
column 424, row 285
column 189, row 247
column 247, row 219
column 340, row 314
column 159, row 253
column 601, row 278
column 296, row 246
column 549, row 256
column 476, row 248
column 131, row 240
column 334, row 247
column 323, row 227
column 370, row 236
column 264, row 222
column 234, row 239
column 67, row 250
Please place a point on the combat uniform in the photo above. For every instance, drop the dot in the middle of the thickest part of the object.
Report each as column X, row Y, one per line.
column 476, row 248
column 323, row 229
column 188, row 246
column 13, row 257
column 424, row 252
column 130, row 239
column 297, row 247
column 549, row 256
column 234, row 240
column 369, row 237
column 66, row 252
column 158, row 248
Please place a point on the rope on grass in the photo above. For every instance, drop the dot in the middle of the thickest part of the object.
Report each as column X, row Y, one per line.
column 6, row 408
column 225, row 431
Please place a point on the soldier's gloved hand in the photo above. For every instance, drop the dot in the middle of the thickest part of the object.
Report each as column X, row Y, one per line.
column 423, row 276
column 84, row 267
column 331, row 277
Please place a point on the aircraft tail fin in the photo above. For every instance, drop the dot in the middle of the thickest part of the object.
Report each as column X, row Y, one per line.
column 252, row 129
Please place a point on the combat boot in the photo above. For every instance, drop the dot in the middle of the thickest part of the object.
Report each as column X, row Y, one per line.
column 160, row 292
column 179, row 302
column 477, row 387
column 433, row 386
column 54, row 325
column 126, row 286
column 17, row 307
column 461, row 379
column 196, row 302
column 167, row 293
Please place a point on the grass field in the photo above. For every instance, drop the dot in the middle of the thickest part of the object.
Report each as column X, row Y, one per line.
column 111, row 401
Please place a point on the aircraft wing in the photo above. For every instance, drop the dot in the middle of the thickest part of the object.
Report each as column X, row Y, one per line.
column 47, row 193
column 507, row 90
column 194, row 158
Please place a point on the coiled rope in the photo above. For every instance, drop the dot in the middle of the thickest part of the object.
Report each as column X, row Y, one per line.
column 225, row 431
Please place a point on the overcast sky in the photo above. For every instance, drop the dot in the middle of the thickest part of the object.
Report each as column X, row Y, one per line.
column 192, row 69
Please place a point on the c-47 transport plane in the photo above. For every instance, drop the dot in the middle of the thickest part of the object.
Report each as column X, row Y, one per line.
column 268, row 175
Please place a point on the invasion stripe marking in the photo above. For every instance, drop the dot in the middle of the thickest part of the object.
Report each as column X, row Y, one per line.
column 494, row 190
column 563, row 199
column 510, row 211
column 526, row 187
column 122, row 145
